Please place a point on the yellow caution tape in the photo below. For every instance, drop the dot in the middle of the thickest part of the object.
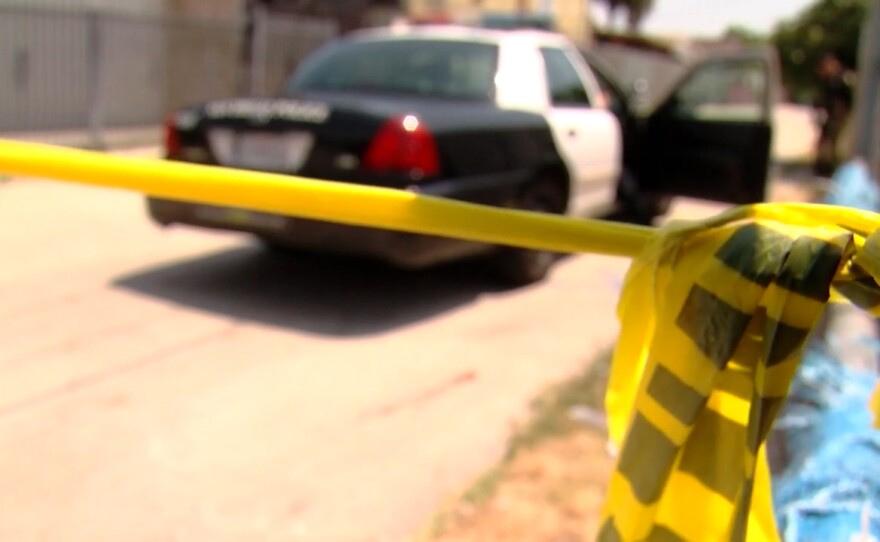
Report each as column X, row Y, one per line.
column 715, row 315
column 323, row 200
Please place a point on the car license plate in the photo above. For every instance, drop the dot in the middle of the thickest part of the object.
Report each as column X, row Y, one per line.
column 241, row 218
column 261, row 150
column 285, row 151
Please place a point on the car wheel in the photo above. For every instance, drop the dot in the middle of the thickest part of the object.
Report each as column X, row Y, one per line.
column 272, row 245
column 520, row 266
column 637, row 207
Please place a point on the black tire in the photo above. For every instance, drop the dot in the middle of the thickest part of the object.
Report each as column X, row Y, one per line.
column 637, row 207
column 273, row 246
column 520, row 266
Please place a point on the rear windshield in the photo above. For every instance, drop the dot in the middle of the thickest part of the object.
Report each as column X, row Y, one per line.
column 434, row 68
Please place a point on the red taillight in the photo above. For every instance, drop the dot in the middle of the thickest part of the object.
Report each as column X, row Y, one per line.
column 172, row 139
column 403, row 145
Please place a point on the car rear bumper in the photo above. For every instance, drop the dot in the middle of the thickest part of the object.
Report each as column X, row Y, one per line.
column 402, row 249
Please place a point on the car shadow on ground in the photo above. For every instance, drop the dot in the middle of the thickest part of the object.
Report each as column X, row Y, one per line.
column 313, row 293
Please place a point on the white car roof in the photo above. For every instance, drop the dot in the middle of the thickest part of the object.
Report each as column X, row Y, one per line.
column 458, row 33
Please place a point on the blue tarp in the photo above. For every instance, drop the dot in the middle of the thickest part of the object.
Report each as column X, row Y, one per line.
column 853, row 186
column 828, row 487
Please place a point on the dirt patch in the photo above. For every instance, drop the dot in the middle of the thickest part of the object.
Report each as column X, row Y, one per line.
column 552, row 484
column 552, row 493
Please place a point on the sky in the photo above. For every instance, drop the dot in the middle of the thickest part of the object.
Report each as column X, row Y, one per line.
column 711, row 17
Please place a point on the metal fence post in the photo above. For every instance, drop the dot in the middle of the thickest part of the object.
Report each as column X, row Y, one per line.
column 259, row 52
column 95, row 83
column 866, row 142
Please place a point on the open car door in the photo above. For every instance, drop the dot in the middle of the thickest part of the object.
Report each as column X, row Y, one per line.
column 710, row 138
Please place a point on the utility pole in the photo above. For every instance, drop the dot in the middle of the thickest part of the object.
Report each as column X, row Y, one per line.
column 96, row 61
column 866, row 139
column 522, row 8
column 259, row 36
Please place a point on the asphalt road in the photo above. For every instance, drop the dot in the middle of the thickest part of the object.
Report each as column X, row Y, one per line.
column 186, row 385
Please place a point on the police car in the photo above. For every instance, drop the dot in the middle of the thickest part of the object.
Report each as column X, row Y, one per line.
column 519, row 119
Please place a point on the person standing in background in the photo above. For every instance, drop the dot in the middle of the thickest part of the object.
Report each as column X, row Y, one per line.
column 833, row 107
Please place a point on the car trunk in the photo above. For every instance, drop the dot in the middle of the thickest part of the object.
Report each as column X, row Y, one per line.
column 328, row 135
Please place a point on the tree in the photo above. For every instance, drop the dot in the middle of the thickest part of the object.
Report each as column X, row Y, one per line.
column 636, row 10
column 743, row 35
column 827, row 26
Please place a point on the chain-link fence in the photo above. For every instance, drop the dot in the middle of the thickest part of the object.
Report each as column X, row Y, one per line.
column 89, row 78
column 280, row 43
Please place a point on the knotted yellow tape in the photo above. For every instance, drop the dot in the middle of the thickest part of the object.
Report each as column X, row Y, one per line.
column 715, row 315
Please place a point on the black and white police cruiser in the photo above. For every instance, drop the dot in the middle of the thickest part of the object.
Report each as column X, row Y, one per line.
column 521, row 119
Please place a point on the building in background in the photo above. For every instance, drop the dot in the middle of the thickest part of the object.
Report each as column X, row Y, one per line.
column 567, row 16
column 206, row 9
column 94, row 65
column 97, row 65
column 348, row 15
column 570, row 17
